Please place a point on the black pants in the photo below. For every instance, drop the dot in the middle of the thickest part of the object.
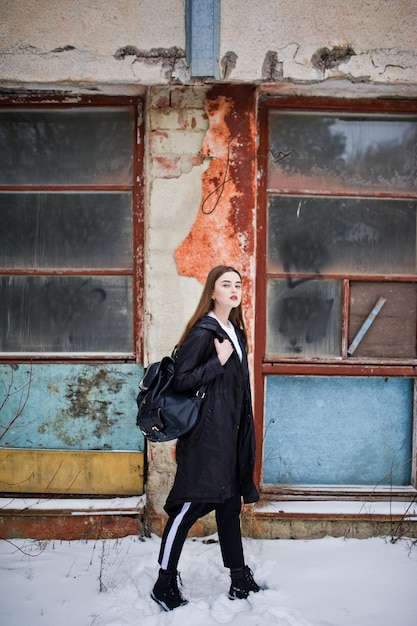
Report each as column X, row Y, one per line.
column 228, row 527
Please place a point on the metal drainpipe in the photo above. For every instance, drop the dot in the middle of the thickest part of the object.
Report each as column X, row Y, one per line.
column 202, row 31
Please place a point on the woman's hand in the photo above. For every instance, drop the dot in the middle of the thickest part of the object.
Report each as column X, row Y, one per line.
column 224, row 350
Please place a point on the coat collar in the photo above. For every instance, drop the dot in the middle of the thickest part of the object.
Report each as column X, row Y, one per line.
column 210, row 323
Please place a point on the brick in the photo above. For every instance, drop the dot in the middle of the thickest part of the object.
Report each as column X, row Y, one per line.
column 187, row 97
column 159, row 97
column 175, row 142
column 166, row 167
column 178, row 119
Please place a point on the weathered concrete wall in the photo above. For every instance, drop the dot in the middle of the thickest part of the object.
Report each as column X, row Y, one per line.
column 177, row 123
column 107, row 42
column 311, row 40
column 132, row 43
column 201, row 213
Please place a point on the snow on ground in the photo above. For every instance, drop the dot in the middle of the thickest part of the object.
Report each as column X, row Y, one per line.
column 322, row 582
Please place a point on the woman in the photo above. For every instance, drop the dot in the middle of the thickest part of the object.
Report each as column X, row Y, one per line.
column 215, row 461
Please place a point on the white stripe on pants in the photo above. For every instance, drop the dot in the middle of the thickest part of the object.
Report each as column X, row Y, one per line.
column 172, row 533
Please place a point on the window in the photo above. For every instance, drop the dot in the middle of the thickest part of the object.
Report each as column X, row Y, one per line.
column 70, row 239
column 336, row 347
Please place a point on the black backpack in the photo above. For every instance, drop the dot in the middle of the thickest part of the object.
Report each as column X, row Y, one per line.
column 165, row 414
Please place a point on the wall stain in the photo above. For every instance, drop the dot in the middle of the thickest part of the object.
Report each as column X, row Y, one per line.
column 228, row 63
column 303, row 319
column 53, row 389
column 88, row 403
column 272, row 69
column 324, row 58
column 66, row 48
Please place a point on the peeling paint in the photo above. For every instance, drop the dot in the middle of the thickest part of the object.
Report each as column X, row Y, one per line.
column 224, row 226
column 78, row 406
column 172, row 59
column 83, row 397
column 154, row 55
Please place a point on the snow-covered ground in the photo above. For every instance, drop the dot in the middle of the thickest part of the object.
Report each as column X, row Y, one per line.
column 323, row 582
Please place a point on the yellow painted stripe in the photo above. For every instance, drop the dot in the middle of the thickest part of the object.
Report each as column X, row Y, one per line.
column 71, row 472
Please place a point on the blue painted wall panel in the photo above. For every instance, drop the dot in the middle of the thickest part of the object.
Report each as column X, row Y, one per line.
column 70, row 406
column 334, row 430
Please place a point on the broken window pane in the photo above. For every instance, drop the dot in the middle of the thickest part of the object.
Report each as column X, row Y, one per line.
column 67, row 146
column 66, row 314
column 341, row 152
column 66, row 230
column 303, row 318
column 341, row 235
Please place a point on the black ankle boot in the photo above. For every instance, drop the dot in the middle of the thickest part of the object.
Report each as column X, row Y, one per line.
column 242, row 584
column 166, row 592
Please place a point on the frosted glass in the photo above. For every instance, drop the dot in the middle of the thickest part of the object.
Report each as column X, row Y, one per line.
column 80, row 146
column 66, row 314
column 341, row 235
column 66, row 230
column 303, row 318
column 313, row 152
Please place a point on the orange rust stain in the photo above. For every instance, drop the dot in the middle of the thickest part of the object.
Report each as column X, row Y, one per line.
column 223, row 231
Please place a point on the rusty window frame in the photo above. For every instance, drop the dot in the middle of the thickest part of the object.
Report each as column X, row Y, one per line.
column 326, row 366
column 51, row 102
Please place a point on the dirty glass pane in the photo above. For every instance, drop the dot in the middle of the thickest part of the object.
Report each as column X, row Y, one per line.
column 66, row 314
column 341, row 235
column 65, row 230
column 67, row 146
column 338, row 431
column 336, row 152
column 303, row 318
column 383, row 320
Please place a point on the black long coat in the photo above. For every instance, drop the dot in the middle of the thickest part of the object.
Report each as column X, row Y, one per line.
column 216, row 460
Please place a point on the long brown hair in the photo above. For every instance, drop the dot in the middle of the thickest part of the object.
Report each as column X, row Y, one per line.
column 206, row 303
